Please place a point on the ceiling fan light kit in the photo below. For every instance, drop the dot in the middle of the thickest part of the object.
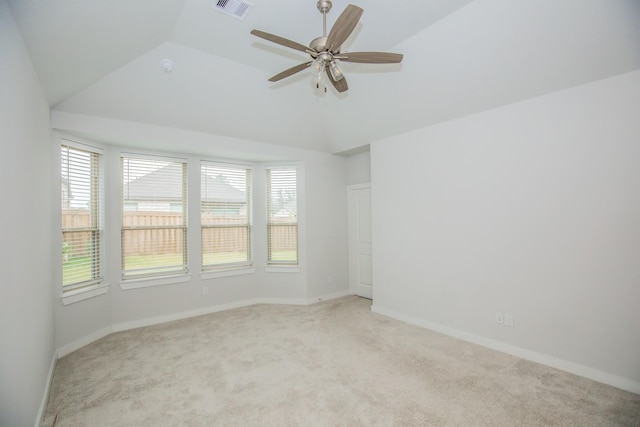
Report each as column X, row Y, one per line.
column 325, row 50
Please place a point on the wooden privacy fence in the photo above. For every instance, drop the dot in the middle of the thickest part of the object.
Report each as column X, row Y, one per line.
column 154, row 241
column 283, row 237
column 76, row 243
column 145, row 242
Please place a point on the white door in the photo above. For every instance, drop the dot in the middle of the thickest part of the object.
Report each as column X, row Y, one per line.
column 360, row 277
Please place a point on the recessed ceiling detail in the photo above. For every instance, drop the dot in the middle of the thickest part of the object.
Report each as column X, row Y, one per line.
column 237, row 9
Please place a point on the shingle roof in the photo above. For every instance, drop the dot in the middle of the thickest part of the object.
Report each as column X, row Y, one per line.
column 157, row 185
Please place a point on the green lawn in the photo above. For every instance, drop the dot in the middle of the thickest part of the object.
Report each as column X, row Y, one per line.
column 78, row 269
column 283, row 255
column 224, row 257
column 150, row 261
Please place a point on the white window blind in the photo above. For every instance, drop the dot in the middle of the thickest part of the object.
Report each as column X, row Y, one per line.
column 282, row 216
column 225, row 212
column 81, row 203
column 154, row 212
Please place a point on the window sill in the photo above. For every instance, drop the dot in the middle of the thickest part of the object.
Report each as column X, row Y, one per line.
column 156, row 281
column 227, row 273
column 78, row 295
column 282, row 269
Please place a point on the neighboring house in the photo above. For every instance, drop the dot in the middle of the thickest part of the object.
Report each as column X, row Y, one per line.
column 155, row 192
column 221, row 198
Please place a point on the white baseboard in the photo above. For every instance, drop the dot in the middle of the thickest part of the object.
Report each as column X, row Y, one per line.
column 330, row 296
column 543, row 359
column 47, row 387
column 87, row 339
column 118, row 327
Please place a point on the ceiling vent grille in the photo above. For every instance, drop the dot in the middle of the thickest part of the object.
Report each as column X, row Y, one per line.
column 236, row 8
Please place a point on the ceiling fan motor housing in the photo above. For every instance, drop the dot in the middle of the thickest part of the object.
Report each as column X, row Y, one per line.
column 324, row 6
column 318, row 44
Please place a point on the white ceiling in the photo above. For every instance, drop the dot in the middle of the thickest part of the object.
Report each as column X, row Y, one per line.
column 102, row 58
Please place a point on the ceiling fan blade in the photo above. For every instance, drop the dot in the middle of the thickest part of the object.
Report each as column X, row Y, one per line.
column 343, row 27
column 281, row 41
column 371, row 57
column 340, row 85
column 290, row 71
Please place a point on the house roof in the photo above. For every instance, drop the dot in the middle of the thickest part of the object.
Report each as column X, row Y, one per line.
column 99, row 58
column 158, row 185
column 217, row 189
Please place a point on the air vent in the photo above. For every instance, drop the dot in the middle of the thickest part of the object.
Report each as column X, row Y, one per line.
column 236, row 8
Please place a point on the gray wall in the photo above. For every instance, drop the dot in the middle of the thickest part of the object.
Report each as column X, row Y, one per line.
column 26, row 312
column 530, row 209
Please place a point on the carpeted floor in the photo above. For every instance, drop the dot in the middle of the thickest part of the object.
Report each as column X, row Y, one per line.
column 331, row 364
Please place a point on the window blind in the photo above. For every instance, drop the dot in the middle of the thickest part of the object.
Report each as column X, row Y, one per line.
column 81, row 185
column 225, row 212
column 282, row 216
column 154, row 212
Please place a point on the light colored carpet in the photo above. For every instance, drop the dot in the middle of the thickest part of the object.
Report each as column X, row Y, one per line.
column 331, row 364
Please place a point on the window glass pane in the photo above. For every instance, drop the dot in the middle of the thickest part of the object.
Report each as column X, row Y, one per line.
column 153, row 217
column 153, row 250
column 282, row 216
column 225, row 212
column 225, row 245
column 80, row 215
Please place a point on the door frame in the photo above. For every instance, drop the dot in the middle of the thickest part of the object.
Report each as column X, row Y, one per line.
column 352, row 227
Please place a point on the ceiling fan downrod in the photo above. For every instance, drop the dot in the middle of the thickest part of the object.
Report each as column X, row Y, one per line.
column 323, row 58
column 324, row 6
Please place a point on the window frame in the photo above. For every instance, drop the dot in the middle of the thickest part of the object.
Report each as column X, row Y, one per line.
column 282, row 265
column 80, row 290
column 138, row 278
column 228, row 268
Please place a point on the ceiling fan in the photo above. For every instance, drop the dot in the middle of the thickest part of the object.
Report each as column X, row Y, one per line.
column 325, row 50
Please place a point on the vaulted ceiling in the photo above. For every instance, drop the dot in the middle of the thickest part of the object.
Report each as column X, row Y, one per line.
column 103, row 58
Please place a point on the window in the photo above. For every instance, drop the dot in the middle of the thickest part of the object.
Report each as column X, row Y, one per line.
column 225, row 212
column 282, row 216
column 154, row 221
column 81, row 192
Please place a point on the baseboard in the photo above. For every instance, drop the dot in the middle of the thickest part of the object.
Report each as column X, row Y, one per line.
column 125, row 326
column 543, row 359
column 283, row 301
column 47, row 387
column 222, row 307
column 87, row 339
column 327, row 297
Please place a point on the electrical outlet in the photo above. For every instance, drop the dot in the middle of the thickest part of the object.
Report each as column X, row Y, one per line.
column 205, row 291
column 508, row 320
column 499, row 317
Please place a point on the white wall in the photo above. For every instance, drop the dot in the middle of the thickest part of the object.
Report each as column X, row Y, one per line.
column 326, row 225
column 322, row 216
column 26, row 313
column 531, row 209
column 359, row 168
